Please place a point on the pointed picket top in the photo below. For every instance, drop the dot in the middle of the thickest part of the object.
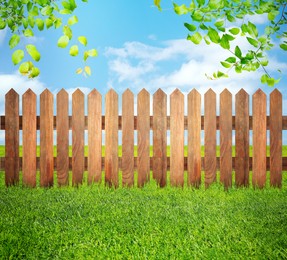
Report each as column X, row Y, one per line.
column 275, row 93
column 143, row 93
column 176, row 93
column 62, row 93
column 259, row 93
column 210, row 92
column 128, row 93
column 112, row 93
column 78, row 92
column 29, row 93
column 242, row 93
column 194, row 93
column 12, row 93
column 94, row 93
column 225, row 93
column 45, row 93
column 159, row 93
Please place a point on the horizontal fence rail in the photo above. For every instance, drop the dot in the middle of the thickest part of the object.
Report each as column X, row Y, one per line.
column 147, row 119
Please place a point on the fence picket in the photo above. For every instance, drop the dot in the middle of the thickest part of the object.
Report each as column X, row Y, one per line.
column 194, row 138
column 143, row 137
column 159, row 137
column 225, row 124
column 94, row 137
column 46, row 139
column 128, row 138
column 259, row 139
column 111, row 131
column 78, row 131
column 276, row 138
column 210, row 137
column 177, row 138
column 62, row 138
column 29, row 138
column 242, row 138
column 12, row 138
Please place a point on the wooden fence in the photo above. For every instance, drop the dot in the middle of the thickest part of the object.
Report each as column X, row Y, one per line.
column 159, row 123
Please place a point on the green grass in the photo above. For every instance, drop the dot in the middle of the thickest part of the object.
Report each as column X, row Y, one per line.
column 149, row 223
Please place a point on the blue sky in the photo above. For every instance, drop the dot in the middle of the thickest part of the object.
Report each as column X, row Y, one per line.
column 139, row 47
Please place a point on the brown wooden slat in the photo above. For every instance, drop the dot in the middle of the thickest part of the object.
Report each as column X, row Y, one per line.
column 128, row 138
column 276, row 138
column 242, row 138
column 259, row 139
column 94, row 137
column 143, row 137
column 159, row 137
column 111, row 132
column 210, row 137
column 78, row 138
column 194, row 138
column 63, row 137
column 12, row 138
column 29, row 138
column 226, row 138
column 177, row 138
column 46, row 139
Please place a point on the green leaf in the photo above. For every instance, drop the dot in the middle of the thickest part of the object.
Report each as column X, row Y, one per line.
column 238, row 52
column 272, row 15
column 270, row 82
column 197, row 16
column 47, row 10
column 264, row 78
column 264, row 62
column 68, row 32
column 24, row 68
column 157, row 4
column 88, row 70
column 14, row 41
column 17, row 56
column 213, row 35
column 180, row 9
column 224, row 42
column 283, row 46
column 190, row 27
column 226, row 64
column 40, row 24
column 74, row 50
column 234, row 31
column 49, row 23
column 33, row 52
column 34, row 72
column 92, row 53
column 221, row 75
column 28, row 33
column 195, row 38
column 231, row 60
column 252, row 41
column 231, row 18
column 2, row 24
column 79, row 70
column 73, row 20
column 219, row 23
column 252, row 29
column 83, row 40
column 63, row 41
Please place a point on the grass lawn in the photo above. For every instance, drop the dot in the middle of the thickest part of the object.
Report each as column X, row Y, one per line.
column 95, row 222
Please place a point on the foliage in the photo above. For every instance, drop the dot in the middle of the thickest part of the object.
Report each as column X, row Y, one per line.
column 222, row 21
column 24, row 17
column 149, row 223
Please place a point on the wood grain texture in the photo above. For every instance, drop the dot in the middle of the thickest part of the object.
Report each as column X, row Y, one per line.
column 226, row 138
column 210, row 137
column 194, row 138
column 159, row 137
column 128, row 138
column 46, row 139
column 259, row 139
column 177, row 138
column 111, row 156
column 63, row 138
column 143, row 137
column 11, row 138
column 29, row 138
column 276, row 138
column 242, row 138
column 94, row 137
column 78, row 136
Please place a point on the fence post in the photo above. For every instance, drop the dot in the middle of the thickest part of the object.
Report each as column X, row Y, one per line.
column 11, row 138
column 78, row 138
column 210, row 137
column 94, row 137
column 259, row 139
column 143, row 137
column 63, row 138
column 276, row 138
column 46, row 139
column 29, row 138
column 128, row 138
column 194, row 138
column 111, row 132
column 159, row 137
column 226, row 138
column 177, row 138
